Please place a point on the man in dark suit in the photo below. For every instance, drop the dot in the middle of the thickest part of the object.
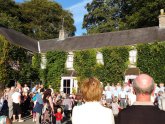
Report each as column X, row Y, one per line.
column 143, row 110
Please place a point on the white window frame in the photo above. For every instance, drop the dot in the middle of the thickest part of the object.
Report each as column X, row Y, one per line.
column 99, row 58
column 69, row 61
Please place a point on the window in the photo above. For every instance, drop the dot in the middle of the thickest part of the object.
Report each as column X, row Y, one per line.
column 99, row 58
column 132, row 56
column 43, row 61
column 69, row 61
column 66, row 86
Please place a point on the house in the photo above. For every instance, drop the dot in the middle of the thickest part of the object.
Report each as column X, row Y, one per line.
column 71, row 44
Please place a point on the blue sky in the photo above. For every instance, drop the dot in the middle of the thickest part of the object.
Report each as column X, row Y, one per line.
column 77, row 8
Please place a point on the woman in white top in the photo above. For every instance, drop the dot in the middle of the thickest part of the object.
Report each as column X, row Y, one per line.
column 92, row 112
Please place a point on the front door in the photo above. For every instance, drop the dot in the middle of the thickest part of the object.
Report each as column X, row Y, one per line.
column 66, row 86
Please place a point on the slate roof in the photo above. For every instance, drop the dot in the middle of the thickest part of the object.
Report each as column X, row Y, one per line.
column 19, row 39
column 119, row 38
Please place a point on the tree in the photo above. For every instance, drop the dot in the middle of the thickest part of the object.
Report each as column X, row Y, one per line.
column 42, row 19
column 103, row 16
column 111, row 15
column 140, row 13
column 39, row 19
column 9, row 14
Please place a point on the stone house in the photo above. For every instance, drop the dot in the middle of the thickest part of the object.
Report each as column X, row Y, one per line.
column 71, row 44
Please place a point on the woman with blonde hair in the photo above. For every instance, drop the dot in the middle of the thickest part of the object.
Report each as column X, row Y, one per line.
column 92, row 112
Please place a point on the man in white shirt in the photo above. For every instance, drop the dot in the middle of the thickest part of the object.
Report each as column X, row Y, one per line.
column 123, row 98
column 108, row 95
column 10, row 101
column 16, row 97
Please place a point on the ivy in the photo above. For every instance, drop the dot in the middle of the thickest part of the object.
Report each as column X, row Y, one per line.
column 151, row 60
column 84, row 63
column 16, row 64
column 4, row 51
column 115, row 64
column 55, row 68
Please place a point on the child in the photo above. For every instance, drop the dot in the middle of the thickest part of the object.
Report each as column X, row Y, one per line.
column 58, row 116
column 115, row 106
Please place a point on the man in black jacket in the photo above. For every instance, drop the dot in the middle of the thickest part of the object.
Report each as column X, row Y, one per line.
column 143, row 110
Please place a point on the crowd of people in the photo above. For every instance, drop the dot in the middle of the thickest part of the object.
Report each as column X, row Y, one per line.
column 44, row 105
column 94, row 104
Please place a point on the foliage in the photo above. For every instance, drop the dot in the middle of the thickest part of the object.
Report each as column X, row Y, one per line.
column 55, row 67
column 42, row 19
column 111, row 15
column 9, row 14
column 115, row 64
column 15, row 64
column 103, row 16
column 151, row 60
column 142, row 13
column 4, row 50
column 39, row 19
column 84, row 63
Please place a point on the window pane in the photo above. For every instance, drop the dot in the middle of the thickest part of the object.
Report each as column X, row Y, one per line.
column 65, row 91
column 68, row 90
column 64, row 83
column 68, row 83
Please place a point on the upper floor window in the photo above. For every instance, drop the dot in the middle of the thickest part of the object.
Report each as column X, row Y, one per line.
column 43, row 61
column 99, row 58
column 69, row 61
column 132, row 56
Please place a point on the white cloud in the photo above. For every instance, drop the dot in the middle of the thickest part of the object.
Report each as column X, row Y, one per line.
column 78, row 10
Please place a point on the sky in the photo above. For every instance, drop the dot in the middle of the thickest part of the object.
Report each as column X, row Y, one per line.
column 77, row 8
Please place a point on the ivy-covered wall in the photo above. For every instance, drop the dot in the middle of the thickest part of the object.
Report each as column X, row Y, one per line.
column 115, row 64
column 15, row 64
column 151, row 60
column 4, row 51
column 55, row 68
column 85, row 63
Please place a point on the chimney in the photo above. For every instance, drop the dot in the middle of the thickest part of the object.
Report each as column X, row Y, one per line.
column 162, row 19
column 62, row 34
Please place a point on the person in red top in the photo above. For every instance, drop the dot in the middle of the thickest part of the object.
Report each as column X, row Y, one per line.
column 58, row 116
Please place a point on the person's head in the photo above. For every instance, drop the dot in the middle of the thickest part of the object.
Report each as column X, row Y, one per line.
column 16, row 90
column 143, row 85
column 59, row 110
column 118, row 84
column 41, row 85
column 47, row 94
column 161, row 84
column 12, row 89
column 91, row 89
column 160, row 93
column 115, row 100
